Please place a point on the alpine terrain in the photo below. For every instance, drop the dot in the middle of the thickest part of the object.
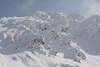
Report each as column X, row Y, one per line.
column 50, row 40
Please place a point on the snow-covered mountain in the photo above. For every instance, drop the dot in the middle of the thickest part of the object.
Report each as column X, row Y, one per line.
column 87, row 34
column 50, row 40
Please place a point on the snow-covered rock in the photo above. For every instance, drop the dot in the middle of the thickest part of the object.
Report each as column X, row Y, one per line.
column 48, row 40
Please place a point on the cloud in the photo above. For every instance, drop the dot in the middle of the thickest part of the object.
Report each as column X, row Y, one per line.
column 91, row 7
column 27, row 6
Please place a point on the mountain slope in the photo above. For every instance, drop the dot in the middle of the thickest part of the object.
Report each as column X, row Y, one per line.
column 48, row 40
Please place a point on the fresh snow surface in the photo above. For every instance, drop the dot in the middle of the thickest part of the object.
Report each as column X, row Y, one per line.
column 50, row 40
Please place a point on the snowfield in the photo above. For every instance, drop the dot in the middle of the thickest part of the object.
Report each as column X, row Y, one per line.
column 50, row 40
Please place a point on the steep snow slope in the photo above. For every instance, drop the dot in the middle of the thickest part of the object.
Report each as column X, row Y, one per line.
column 47, row 40
column 87, row 34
